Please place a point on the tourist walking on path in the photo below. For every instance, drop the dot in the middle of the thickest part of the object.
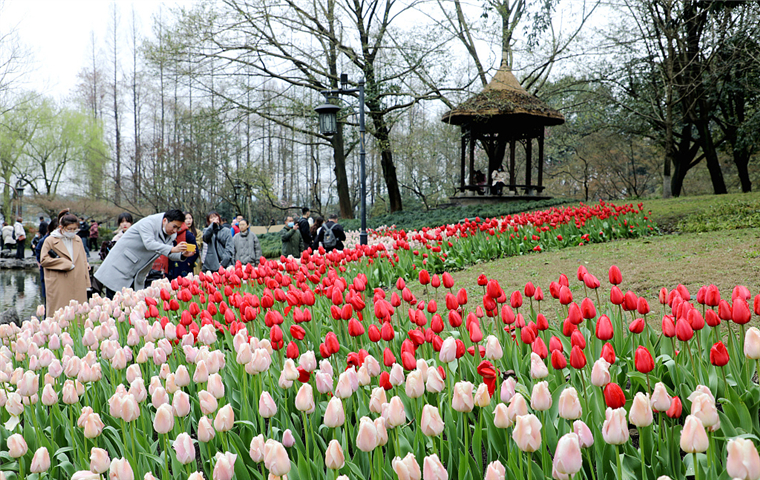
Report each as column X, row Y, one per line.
column 94, row 235
column 67, row 272
column 291, row 239
column 218, row 247
column 247, row 247
column 131, row 257
column 43, row 228
column 18, row 229
column 304, row 227
column 331, row 235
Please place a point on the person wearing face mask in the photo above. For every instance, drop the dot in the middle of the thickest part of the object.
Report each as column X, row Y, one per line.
column 292, row 241
column 64, row 263
column 247, row 248
column 133, row 255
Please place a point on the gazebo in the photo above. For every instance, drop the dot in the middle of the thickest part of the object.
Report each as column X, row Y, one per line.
column 504, row 113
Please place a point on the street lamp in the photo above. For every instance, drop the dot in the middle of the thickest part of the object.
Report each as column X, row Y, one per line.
column 19, row 196
column 328, row 122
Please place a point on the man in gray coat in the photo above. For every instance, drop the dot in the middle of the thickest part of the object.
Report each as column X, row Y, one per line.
column 132, row 256
column 247, row 248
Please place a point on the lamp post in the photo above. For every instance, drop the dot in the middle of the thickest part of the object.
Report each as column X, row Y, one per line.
column 328, row 125
column 19, row 197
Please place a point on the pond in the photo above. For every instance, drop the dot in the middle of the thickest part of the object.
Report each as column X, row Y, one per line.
column 20, row 289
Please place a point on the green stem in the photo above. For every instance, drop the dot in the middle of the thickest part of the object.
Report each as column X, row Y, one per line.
column 590, row 465
column 696, row 466
column 619, row 465
column 305, row 434
column 643, row 462
column 530, row 470
column 134, row 449
column 166, row 455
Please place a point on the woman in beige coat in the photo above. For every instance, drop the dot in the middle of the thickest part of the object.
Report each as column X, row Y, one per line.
column 67, row 271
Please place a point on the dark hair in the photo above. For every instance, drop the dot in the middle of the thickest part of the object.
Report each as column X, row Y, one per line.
column 333, row 216
column 174, row 216
column 317, row 223
column 305, row 210
column 125, row 216
column 53, row 224
column 208, row 217
column 67, row 219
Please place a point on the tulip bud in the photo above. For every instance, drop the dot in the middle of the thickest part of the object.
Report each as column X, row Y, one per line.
column 461, row 399
column 257, row 449
column 600, row 373
column 567, row 457
column 693, row 436
column 334, row 414
column 366, row 436
column 431, row 422
column 495, row 471
column 206, row 431
column 482, row 398
column 541, row 398
column 752, row 343
column 703, row 407
column 538, row 368
column 225, row 419
column 396, row 413
column 334, row 458
column 288, row 440
column 41, row 461
column 305, row 399
column 615, row 427
column 120, row 470
column 99, row 460
column 585, row 437
column 743, row 461
column 641, row 411
column 527, row 433
column 660, row 397
column 224, row 469
column 17, row 446
column 183, row 446
column 415, row 386
column 433, row 469
column 614, row 396
column 569, row 404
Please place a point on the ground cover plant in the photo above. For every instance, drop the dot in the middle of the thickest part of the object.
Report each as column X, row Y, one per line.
column 316, row 369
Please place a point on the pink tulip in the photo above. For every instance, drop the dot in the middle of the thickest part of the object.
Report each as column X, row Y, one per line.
column 208, row 402
column 308, row 361
column 517, row 406
column 185, row 449
column 406, row 468
column 28, row 385
column 289, row 370
column 396, row 413
column 495, row 471
column 703, row 407
column 201, row 372
column 225, row 419
column 585, row 437
column 288, row 440
column 69, row 396
column 215, row 386
column 120, row 470
column 267, row 407
column 196, row 476
column 373, row 366
column 86, row 412
column 324, row 382
column 137, row 389
column 334, row 414
column 641, row 411
column 415, row 384
column 434, row 382
column 99, row 460
column 541, row 398
column 397, row 375
column 615, row 427
column 569, row 404
column 159, row 397
column 501, row 416
column 163, row 422
column 508, row 390
column 276, row 458
column 85, row 475
column 743, row 461
column 334, row 458
column 181, row 376
column 482, row 398
column 527, row 433
column 461, row 399
column 181, row 404
column 493, row 348
column 433, row 469
column 431, row 422
column 49, row 396
column 225, row 465
column 366, row 436
column 752, row 344
column 256, row 450
column 243, row 354
column 93, row 426
column 448, row 351
column 41, row 461
column 382, row 432
column 600, row 373
column 129, row 410
column 693, row 436
column 660, row 398
column 538, row 368
column 567, row 458
column 343, row 389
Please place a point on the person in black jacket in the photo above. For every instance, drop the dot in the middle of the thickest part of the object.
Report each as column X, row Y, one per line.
column 331, row 228
column 304, row 227
column 38, row 250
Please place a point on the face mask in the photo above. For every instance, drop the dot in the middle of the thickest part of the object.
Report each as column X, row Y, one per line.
column 69, row 234
column 290, row 224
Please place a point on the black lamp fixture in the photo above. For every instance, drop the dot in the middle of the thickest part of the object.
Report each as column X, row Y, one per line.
column 328, row 117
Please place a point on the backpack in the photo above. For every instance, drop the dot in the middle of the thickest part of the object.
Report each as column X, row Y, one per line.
column 329, row 240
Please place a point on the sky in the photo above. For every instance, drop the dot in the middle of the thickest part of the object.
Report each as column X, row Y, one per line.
column 57, row 33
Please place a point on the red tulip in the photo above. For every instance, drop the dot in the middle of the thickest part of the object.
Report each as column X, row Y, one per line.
column 539, row 295
column 558, row 360
column 604, row 330
column 563, row 281
column 455, row 320
column 554, row 289
column 493, row 289
column 476, row 335
column 355, row 329
column 711, row 318
column 608, row 353
column 539, row 348
column 435, row 282
column 684, row 332
column 663, row 296
column 577, row 358
column 541, row 322
column 719, row 354
column 614, row 396
column 374, row 333
column 675, row 408
column 643, row 306
column 684, row 292
column 462, row 296
column 331, row 342
column 695, row 319
column 516, row 299
column 388, row 358
column 712, row 296
column 507, row 315
column 756, row 304
column 387, row 332
column 437, row 323
column 297, row 332
column 637, row 326
column 424, row 277
column 292, row 350
column 482, row 280
column 529, row 290
column 616, row 296
column 582, row 272
column 668, row 327
column 643, row 360
column 555, row 344
column 630, row 301
column 577, row 338
column 528, row 336
column 568, row 327
column 408, row 361
column 574, row 314
column 460, row 348
column 385, row 381
column 591, row 281
column 588, row 310
column 724, row 310
column 565, row 295
column 740, row 311
column 448, row 280
column 616, row 278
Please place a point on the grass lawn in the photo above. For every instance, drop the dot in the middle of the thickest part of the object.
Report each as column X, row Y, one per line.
column 723, row 251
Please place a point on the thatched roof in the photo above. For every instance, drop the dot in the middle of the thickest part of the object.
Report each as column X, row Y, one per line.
column 504, row 100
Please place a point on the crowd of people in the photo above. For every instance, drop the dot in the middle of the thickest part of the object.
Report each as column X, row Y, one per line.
column 164, row 245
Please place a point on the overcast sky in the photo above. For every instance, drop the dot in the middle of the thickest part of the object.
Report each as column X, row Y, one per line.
column 58, row 34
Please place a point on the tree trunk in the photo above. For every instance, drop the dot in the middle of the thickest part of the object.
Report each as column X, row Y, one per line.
column 708, row 148
column 382, row 134
column 741, row 159
column 339, row 157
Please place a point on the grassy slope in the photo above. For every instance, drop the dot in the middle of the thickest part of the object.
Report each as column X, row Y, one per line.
column 725, row 258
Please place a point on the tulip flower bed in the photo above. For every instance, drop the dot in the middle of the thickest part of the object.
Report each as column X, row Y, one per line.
column 281, row 370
